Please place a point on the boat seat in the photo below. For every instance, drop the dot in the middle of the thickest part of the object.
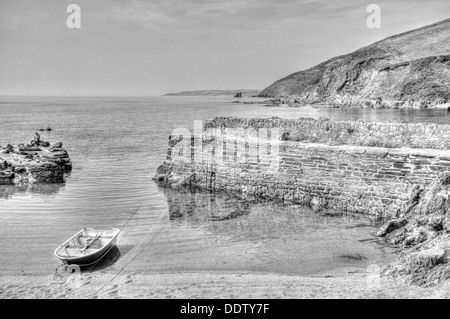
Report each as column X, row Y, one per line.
column 74, row 251
column 76, row 246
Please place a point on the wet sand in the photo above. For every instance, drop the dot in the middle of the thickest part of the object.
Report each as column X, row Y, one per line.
column 342, row 283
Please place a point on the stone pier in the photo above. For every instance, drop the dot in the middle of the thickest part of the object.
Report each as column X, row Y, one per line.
column 267, row 158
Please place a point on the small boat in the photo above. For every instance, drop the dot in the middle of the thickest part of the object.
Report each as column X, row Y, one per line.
column 88, row 246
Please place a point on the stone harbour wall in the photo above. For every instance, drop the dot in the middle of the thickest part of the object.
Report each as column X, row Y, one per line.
column 326, row 131
column 348, row 178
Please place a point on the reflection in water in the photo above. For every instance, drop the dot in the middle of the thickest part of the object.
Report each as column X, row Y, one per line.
column 252, row 218
column 47, row 189
column 198, row 205
column 227, row 231
column 7, row 191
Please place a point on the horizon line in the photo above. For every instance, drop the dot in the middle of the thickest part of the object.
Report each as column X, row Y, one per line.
column 127, row 95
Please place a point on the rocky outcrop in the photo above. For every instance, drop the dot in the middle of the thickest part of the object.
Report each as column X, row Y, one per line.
column 36, row 162
column 57, row 156
column 6, row 178
column 46, row 172
column 410, row 70
column 162, row 172
column 423, row 234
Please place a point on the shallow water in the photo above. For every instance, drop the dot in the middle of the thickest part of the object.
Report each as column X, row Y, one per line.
column 116, row 145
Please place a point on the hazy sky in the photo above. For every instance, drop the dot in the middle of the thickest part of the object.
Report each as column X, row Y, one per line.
column 137, row 47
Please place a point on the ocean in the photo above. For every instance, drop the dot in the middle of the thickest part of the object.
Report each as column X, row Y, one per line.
column 116, row 144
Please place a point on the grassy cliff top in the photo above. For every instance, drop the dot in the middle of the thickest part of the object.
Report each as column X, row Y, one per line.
column 410, row 67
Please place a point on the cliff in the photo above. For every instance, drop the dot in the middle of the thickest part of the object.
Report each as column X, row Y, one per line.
column 411, row 69
column 423, row 234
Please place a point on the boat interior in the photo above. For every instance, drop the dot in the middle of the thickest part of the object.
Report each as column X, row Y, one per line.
column 86, row 242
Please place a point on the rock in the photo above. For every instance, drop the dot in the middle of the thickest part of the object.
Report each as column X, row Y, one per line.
column 183, row 181
column 424, row 238
column 416, row 237
column 426, row 259
column 56, row 152
column 39, row 143
column 174, row 140
column 285, row 136
column 175, row 180
column 317, row 204
column 3, row 164
column 35, row 163
column 58, row 156
column 446, row 223
column 46, row 172
column 67, row 167
column 163, row 169
column 20, row 169
column 391, row 225
column 56, row 145
column 332, row 213
column 29, row 149
column 26, row 156
column 435, row 223
column 6, row 177
column 160, row 177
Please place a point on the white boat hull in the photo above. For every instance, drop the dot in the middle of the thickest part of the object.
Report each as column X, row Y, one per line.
column 88, row 246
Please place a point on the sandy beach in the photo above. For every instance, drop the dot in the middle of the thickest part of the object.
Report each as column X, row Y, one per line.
column 341, row 283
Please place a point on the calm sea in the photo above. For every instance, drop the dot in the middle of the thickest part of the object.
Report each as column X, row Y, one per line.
column 116, row 144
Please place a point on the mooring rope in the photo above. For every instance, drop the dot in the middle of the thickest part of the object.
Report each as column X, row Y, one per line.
column 129, row 218
column 64, row 264
column 123, row 226
column 132, row 258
